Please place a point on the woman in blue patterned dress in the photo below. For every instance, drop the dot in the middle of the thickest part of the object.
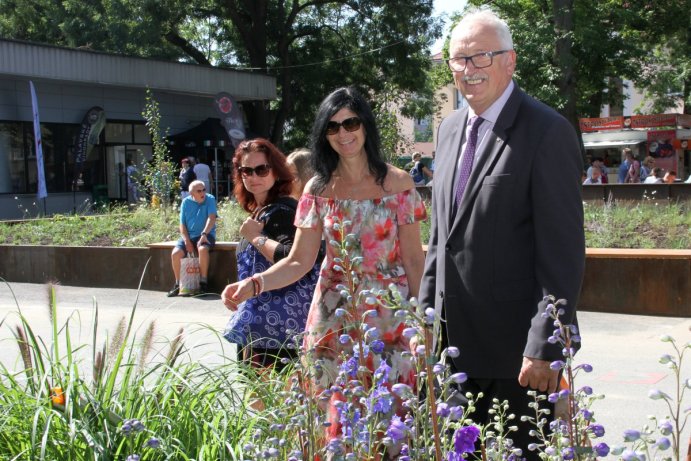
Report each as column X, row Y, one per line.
column 263, row 326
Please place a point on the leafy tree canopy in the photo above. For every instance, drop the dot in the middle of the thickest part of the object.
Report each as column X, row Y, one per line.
column 310, row 46
column 647, row 42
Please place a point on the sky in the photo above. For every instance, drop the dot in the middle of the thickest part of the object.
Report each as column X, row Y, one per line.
column 448, row 7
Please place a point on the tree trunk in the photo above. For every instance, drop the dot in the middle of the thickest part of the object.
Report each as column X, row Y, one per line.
column 563, row 57
column 687, row 110
column 250, row 18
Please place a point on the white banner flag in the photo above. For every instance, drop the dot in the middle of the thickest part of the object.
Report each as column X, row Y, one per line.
column 42, row 193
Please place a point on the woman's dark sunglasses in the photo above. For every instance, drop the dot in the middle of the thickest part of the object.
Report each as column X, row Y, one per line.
column 261, row 170
column 350, row 124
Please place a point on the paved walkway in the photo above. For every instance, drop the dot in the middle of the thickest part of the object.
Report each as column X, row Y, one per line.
column 623, row 349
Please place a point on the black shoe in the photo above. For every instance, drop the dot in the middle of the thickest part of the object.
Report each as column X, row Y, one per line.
column 203, row 287
column 174, row 292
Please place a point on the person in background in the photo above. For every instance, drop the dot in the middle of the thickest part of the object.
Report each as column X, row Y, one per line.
column 508, row 229
column 186, row 177
column 419, row 171
column 203, row 173
column 623, row 170
column 670, row 177
column 597, row 162
column 132, row 182
column 633, row 176
column 300, row 164
column 264, row 324
column 354, row 192
column 595, row 176
column 655, row 176
column 197, row 232
column 646, row 166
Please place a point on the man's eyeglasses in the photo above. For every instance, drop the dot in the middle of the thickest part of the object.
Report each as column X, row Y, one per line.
column 480, row 60
column 261, row 170
column 350, row 124
column 200, row 190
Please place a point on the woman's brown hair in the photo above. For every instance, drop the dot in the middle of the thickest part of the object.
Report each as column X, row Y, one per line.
column 279, row 167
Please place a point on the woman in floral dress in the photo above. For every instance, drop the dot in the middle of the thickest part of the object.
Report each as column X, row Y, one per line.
column 368, row 212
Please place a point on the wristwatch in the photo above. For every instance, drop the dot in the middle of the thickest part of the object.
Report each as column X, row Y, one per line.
column 261, row 241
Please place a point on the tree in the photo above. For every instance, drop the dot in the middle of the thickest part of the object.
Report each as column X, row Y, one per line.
column 310, row 46
column 665, row 71
column 573, row 55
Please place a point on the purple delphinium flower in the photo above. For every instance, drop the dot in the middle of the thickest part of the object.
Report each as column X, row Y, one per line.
column 596, row 429
column 587, row 390
column 458, row 378
column 381, row 374
column 443, row 409
column 402, row 390
column 567, row 453
column 557, row 365
column 429, row 316
column 456, row 413
column 397, row 429
column 585, row 367
column 132, row 458
column 665, row 427
column 409, row 332
column 553, row 397
column 377, row 346
column 438, row 368
column 587, row 414
column 153, row 442
column 380, row 400
column 349, row 367
column 602, row 449
column 452, row 352
column 631, row 435
column 663, row 443
column 464, row 439
column 344, row 339
column 630, row 455
column 420, row 350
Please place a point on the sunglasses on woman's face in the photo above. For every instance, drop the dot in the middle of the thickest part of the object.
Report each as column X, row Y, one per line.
column 350, row 124
column 261, row 170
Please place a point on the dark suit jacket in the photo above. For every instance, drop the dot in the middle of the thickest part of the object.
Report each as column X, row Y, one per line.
column 516, row 237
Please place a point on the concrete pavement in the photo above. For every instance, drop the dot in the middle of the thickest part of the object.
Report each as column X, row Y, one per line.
column 623, row 349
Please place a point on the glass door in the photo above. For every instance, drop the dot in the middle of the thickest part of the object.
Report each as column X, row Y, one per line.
column 115, row 172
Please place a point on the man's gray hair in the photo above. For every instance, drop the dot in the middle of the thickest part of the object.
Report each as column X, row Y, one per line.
column 490, row 18
column 194, row 183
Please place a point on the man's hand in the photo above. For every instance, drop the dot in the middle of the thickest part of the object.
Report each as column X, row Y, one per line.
column 536, row 374
column 189, row 247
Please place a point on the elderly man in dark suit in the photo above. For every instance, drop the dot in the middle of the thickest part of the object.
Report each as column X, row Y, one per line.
column 507, row 225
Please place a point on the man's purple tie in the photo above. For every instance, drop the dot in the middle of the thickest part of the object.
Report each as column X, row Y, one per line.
column 468, row 157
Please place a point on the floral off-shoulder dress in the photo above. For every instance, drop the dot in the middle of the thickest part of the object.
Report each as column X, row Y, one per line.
column 375, row 224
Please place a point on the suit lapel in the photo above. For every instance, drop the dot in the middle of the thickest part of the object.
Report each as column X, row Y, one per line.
column 448, row 192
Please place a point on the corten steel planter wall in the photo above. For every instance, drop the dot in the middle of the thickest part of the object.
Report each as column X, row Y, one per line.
column 646, row 282
column 655, row 282
column 106, row 267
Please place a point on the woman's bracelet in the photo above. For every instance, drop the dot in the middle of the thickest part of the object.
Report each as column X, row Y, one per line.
column 255, row 286
column 258, row 280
